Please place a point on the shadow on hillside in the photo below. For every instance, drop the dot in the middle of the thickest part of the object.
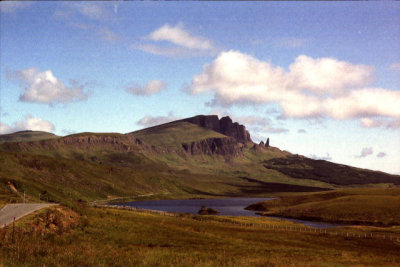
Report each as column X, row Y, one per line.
column 265, row 187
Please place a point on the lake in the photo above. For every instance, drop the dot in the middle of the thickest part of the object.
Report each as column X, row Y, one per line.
column 225, row 206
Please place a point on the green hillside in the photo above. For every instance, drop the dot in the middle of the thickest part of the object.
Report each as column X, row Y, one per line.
column 321, row 170
column 376, row 206
column 153, row 162
column 174, row 134
column 25, row 136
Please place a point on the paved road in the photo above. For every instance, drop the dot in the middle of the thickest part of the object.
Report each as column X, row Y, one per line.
column 8, row 212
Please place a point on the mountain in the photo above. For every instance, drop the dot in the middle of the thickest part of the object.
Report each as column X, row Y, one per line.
column 26, row 136
column 194, row 157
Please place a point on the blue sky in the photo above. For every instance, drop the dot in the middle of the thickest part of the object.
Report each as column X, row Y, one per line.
column 319, row 79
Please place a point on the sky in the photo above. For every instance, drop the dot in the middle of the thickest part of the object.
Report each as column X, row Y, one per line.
column 320, row 79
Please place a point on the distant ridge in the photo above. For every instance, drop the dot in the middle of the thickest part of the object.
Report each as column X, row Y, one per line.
column 26, row 136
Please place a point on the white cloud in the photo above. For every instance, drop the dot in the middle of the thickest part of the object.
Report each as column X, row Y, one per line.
column 44, row 87
column 395, row 66
column 175, row 41
column 366, row 151
column 149, row 120
column 328, row 75
column 159, row 50
column 179, row 36
column 379, row 122
column 150, row 88
column 13, row 6
column 92, row 10
column 301, row 131
column 381, row 155
column 371, row 123
column 29, row 123
column 237, row 77
column 312, row 88
column 327, row 157
column 250, row 120
column 76, row 15
column 363, row 103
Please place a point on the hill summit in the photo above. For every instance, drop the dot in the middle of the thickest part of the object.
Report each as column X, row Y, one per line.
column 224, row 126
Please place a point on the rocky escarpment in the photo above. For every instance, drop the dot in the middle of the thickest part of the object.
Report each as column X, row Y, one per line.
column 114, row 142
column 224, row 126
column 226, row 146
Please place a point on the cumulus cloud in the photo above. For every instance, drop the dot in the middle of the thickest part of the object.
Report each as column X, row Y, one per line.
column 13, row 6
column 366, row 151
column 328, row 75
column 179, row 36
column 44, row 87
column 29, row 123
column 149, row 120
column 169, row 40
column 381, row 155
column 311, row 88
column 326, row 157
column 148, row 89
column 250, row 120
column 374, row 123
column 371, row 123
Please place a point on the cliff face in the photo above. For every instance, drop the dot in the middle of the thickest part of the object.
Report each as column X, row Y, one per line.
column 227, row 146
column 223, row 125
column 122, row 143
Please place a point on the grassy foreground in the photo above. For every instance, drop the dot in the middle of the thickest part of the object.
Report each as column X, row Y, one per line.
column 110, row 237
column 367, row 206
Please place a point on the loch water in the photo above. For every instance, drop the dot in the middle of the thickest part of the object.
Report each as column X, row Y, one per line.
column 225, row 206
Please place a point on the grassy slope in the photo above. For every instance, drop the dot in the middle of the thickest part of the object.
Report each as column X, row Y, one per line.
column 361, row 206
column 26, row 136
column 126, row 238
column 78, row 170
column 305, row 168
column 67, row 171
column 174, row 134
column 64, row 180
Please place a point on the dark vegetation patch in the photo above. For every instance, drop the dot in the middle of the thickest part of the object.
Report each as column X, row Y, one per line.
column 325, row 171
column 257, row 187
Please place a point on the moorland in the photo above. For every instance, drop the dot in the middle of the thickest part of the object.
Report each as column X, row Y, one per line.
column 198, row 157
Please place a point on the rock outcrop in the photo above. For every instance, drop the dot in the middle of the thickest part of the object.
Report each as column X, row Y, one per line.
column 259, row 147
column 226, row 146
column 207, row 211
column 224, row 126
